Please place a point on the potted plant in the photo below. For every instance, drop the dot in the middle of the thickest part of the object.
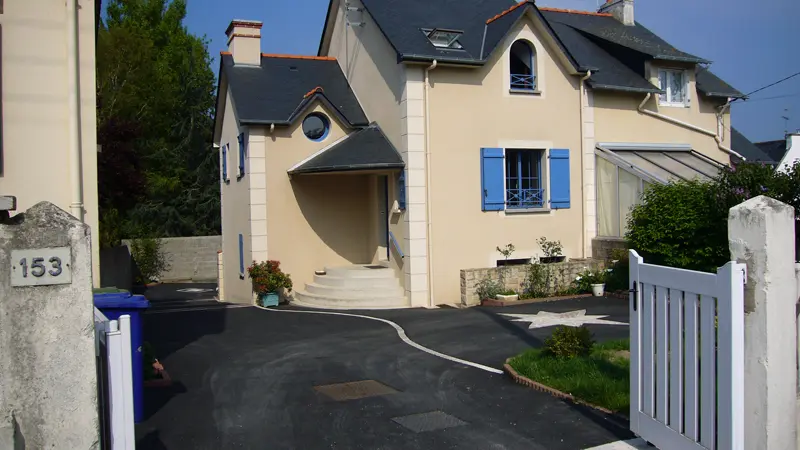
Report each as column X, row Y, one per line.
column 268, row 279
column 507, row 295
column 592, row 281
column 552, row 251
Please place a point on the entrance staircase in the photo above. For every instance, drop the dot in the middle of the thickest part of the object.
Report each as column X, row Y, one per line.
column 360, row 286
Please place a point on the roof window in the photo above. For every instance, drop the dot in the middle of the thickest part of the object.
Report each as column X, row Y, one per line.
column 441, row 38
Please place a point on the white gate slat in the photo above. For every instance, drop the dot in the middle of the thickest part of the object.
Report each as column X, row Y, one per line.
column 730, row 311
column 708, row 374
column 676, row 359
column 686, row 280
column 648, row 350
column 690, row 367
column 657, row 432
column 635, row 307
column 662, row 362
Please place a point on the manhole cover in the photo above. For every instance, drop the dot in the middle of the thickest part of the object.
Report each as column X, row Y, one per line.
column 429, row 421
column 354, row 390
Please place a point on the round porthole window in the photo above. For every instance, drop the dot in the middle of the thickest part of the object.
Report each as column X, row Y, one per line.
column 316, row 126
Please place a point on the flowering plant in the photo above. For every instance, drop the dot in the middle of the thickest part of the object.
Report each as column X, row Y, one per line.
column 584, row 281
column 268, row 277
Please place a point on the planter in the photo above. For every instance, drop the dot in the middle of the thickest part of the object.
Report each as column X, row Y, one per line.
column 552, row 259
column 598, row 289
column 507, row 298
column 269, row 299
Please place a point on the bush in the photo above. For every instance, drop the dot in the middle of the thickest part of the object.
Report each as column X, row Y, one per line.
column 488, row 288
column 584, row 281
column 268, row 277
column 617, row 279
column 150, row 259
column 569, row 342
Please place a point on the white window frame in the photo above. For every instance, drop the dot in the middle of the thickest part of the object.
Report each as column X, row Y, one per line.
column 665, row 99
column 543, row 180
column 642, row 180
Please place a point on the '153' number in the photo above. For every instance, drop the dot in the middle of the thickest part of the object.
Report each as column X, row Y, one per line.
column 38, row 268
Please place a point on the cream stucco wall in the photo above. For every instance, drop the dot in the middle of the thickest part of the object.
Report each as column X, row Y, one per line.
column 35, row 111
column 471, row 109
column 618, row 120
column 314, row 221
column 235, row 210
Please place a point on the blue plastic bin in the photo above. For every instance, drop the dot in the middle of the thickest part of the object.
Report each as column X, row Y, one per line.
column 116, row 304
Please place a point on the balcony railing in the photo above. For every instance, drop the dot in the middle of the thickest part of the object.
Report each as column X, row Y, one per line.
column 524, row 198
column 523, row 82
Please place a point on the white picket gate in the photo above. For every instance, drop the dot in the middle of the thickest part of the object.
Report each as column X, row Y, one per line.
column 115, row 381
column 687, row 356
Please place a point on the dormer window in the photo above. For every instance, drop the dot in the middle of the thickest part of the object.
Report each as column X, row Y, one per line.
column 441, row 38
column 522, row 62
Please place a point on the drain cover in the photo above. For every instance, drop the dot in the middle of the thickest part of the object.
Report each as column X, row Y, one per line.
column 429, row 421
column 354, row 390
column 373, row 266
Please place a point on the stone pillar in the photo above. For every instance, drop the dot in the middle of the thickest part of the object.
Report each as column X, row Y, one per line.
column 760, row 231
column 48, row 385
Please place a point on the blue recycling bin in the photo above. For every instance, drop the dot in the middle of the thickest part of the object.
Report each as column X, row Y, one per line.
column 116, row 304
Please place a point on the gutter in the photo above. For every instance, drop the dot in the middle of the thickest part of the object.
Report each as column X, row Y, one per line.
column 582, row 89
column 74, row 89
column 428, row 181
column 713, row 134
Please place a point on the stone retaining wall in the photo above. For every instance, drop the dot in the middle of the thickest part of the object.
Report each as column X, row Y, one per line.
column 515, row 277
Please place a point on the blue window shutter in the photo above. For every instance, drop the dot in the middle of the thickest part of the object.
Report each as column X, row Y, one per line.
column 241, row 253
column 225, row 162
column 401, row 190
column 241, row 154
column 559, row 178
column 492, row 192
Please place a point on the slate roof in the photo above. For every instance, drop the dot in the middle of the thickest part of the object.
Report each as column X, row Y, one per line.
column 775, row 149
column 613, row 51
column 741, row 145
column 712, row 86
column 364, row 149
column 280, row 88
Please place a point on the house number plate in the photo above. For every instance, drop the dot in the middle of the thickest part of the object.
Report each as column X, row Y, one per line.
column 41, row 266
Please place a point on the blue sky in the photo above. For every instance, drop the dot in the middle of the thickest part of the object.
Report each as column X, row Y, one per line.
column 749, row 42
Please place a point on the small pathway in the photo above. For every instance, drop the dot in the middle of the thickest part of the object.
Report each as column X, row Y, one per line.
column 249, row 378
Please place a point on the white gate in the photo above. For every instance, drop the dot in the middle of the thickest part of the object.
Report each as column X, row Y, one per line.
column 687, row 356
column 115, row 383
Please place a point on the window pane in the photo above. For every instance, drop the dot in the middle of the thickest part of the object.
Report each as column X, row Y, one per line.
column 677, row 87
column 629, row 193
column 662, row 80
column 607, row 212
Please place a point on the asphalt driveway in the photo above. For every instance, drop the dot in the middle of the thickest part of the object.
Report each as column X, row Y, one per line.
column 252, row 379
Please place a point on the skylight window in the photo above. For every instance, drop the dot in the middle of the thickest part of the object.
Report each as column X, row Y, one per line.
column 441, row 38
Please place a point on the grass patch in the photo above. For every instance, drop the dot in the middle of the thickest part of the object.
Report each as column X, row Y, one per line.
column 601, row 378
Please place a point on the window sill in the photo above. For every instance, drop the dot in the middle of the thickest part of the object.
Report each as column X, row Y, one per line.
column 674, row 105
column 525, row 91
column 527, row 210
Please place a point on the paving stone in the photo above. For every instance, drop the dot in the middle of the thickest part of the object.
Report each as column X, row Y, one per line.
column 429, row 421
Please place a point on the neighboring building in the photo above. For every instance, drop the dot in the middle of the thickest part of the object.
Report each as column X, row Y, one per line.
column 426, row 133
column 751, row 152
column 784, row 152
column 48, row 151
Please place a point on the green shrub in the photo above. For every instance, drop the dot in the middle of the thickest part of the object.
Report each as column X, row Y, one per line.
column 488, row 288
column 617, row 279
column 569, row 342
column 538, row 281
column 149, row 257
column 584, row 281
column 268, row 277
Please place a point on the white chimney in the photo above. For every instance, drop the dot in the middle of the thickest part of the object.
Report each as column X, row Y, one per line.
column 622, row 10
column 244, row 41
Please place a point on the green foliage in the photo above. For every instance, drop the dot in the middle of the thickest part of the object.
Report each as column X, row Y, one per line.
column 538, row 281
column 584, row 281
column 488, row 288
column 149, row 258
column 508, row 292
column 550, row 248
column 569, row 342
column 156, row 95
column 506, row 251
column 268, row 277
column 617, row 279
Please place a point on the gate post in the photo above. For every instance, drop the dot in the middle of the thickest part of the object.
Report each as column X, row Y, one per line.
column 48, row 379
column 761, row 235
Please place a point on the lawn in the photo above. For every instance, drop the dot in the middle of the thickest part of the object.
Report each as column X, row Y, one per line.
column 601, row 378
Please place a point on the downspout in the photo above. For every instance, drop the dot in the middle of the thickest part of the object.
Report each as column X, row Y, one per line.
column 74, row 88
column 687, row 125
column 583, row 173
column 428, row 181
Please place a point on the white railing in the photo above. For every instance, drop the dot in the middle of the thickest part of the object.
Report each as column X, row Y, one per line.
column 115, row 383
column 687, row 356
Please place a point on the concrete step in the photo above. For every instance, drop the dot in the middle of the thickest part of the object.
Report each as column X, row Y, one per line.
column 348, row 291
column 309, row 300
column 361, row 271
column 357, row 282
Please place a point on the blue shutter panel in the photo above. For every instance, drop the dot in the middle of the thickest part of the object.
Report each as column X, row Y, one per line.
column 559, row 178
column 492, row 190
column 241, row 154
column 241, row 254
column 225, row 162
column 401, row 190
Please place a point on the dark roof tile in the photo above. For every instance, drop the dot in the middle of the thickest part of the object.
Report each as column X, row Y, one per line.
column 712, row 86
column 775, row 149
column 365, row 149
column 741, row 145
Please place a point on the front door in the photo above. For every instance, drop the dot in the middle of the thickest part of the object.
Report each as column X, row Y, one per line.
column 383, row 213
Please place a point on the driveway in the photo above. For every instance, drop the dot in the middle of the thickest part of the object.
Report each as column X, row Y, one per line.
column 249, row 378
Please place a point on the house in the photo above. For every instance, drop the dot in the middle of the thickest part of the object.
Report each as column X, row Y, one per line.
column 750, row 151
column 784, row 152
column 48, row 149
column 427, row 133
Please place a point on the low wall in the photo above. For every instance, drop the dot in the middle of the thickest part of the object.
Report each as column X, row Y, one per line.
column 602, row 247
column 515, row 277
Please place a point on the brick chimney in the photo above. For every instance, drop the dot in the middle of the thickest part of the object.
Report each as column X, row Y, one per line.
column 622, row 10
column 244, row 41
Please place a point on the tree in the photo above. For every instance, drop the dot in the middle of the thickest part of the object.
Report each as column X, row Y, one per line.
column 158, row 171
